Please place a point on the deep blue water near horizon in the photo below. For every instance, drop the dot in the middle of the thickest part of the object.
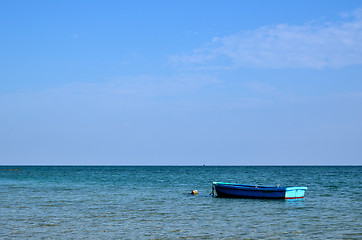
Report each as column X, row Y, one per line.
column 153, row 202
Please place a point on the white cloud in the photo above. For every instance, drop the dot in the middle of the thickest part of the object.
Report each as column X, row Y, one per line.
column 311, row 45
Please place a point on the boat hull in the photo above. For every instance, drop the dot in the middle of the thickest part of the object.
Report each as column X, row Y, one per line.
column 247, row 191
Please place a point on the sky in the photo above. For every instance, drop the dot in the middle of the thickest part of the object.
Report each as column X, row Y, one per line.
column 181, row 82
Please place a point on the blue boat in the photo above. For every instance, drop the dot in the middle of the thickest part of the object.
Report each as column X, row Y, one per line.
column 249, row 191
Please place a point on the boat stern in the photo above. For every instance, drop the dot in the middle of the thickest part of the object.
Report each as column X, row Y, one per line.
column 295, row 192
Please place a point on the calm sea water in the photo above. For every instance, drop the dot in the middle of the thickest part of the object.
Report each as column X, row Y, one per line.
column 154, row 203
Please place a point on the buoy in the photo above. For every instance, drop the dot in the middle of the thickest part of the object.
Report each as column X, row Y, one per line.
column 194, row 192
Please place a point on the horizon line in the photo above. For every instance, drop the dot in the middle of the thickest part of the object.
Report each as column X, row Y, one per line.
column 177, row 165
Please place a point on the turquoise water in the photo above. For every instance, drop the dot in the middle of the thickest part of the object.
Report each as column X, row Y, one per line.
column 153, row 203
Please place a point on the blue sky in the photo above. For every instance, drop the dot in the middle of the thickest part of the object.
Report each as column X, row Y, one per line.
column 181, row 82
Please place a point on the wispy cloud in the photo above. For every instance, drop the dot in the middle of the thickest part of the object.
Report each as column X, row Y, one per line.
column 314, row 45
column 349, row 95
column 122, row 90
column 261, row 87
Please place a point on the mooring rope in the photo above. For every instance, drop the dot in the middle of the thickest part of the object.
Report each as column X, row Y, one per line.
column 213, row 188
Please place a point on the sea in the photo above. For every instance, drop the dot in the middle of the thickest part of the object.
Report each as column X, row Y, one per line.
column 154, row 202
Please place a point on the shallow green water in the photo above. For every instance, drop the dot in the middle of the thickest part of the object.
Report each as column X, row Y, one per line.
column 153, row 203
